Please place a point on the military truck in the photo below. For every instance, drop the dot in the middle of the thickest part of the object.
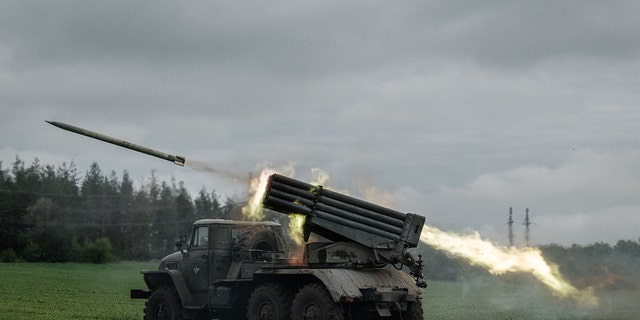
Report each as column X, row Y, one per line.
column 242, row 270
column 238, row 269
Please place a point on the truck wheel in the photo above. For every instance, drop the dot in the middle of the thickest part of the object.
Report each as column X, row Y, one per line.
column 313, row 302
column 260, row 238
column 269, row 302
column 163, row 304
column 414, row 311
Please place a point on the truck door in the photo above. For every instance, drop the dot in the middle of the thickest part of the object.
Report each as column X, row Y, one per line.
column 221, row 250
column 197, row 265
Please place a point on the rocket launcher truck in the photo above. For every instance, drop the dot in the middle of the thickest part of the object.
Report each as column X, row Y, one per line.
column 241, row 270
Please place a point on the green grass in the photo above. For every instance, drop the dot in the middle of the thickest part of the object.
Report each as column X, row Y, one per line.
column 86, row 291
column 70, row 291
column 494, row 298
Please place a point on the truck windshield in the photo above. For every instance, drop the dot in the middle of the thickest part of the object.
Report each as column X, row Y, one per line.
column 200, row 237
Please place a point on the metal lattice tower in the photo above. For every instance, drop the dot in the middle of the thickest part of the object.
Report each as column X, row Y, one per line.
column 510, row 227
column 527, row 223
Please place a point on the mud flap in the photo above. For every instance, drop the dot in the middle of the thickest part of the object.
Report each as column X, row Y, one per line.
column 383, row 309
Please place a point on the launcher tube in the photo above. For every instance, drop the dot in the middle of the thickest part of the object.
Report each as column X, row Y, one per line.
column 363, row 204
column 362, row 211
column 355, row 225
column 359, row 219
column 286, row 206
column 304, row 193
column 291, row 197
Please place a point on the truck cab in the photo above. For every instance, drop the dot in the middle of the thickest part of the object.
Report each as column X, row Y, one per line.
column 208, row 270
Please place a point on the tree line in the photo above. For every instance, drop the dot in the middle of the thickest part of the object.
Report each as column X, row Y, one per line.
column 53, row 214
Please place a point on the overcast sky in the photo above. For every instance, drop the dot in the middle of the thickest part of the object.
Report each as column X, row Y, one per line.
column 454, row 110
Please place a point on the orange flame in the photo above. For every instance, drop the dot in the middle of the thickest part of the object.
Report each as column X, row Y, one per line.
column 257, row 187
column 499, row 260
column 296, row 222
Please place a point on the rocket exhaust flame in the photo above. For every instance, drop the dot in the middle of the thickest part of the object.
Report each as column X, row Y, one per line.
column 296, row 223
column 257, row 187
column 499, row 260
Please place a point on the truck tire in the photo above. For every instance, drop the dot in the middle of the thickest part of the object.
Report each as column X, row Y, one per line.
column 313, row 302
column 414, row 311
column 259, row 238
column 269, row 302
column 163, row 304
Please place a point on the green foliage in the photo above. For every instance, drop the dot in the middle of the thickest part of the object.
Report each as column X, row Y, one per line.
column 98, row 251
column 8, row 256
column 598, row 265
column 32, row 252
column 44, row 210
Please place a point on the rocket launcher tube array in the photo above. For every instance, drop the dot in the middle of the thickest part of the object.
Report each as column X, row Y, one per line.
column 338, row 217
column 179, row 160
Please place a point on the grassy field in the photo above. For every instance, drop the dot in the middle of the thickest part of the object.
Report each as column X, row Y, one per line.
column 70, row 291
column 85, row 291
column 493, row 298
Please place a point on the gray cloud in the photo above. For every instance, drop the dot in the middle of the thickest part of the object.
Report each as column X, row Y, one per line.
column 460, row 110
